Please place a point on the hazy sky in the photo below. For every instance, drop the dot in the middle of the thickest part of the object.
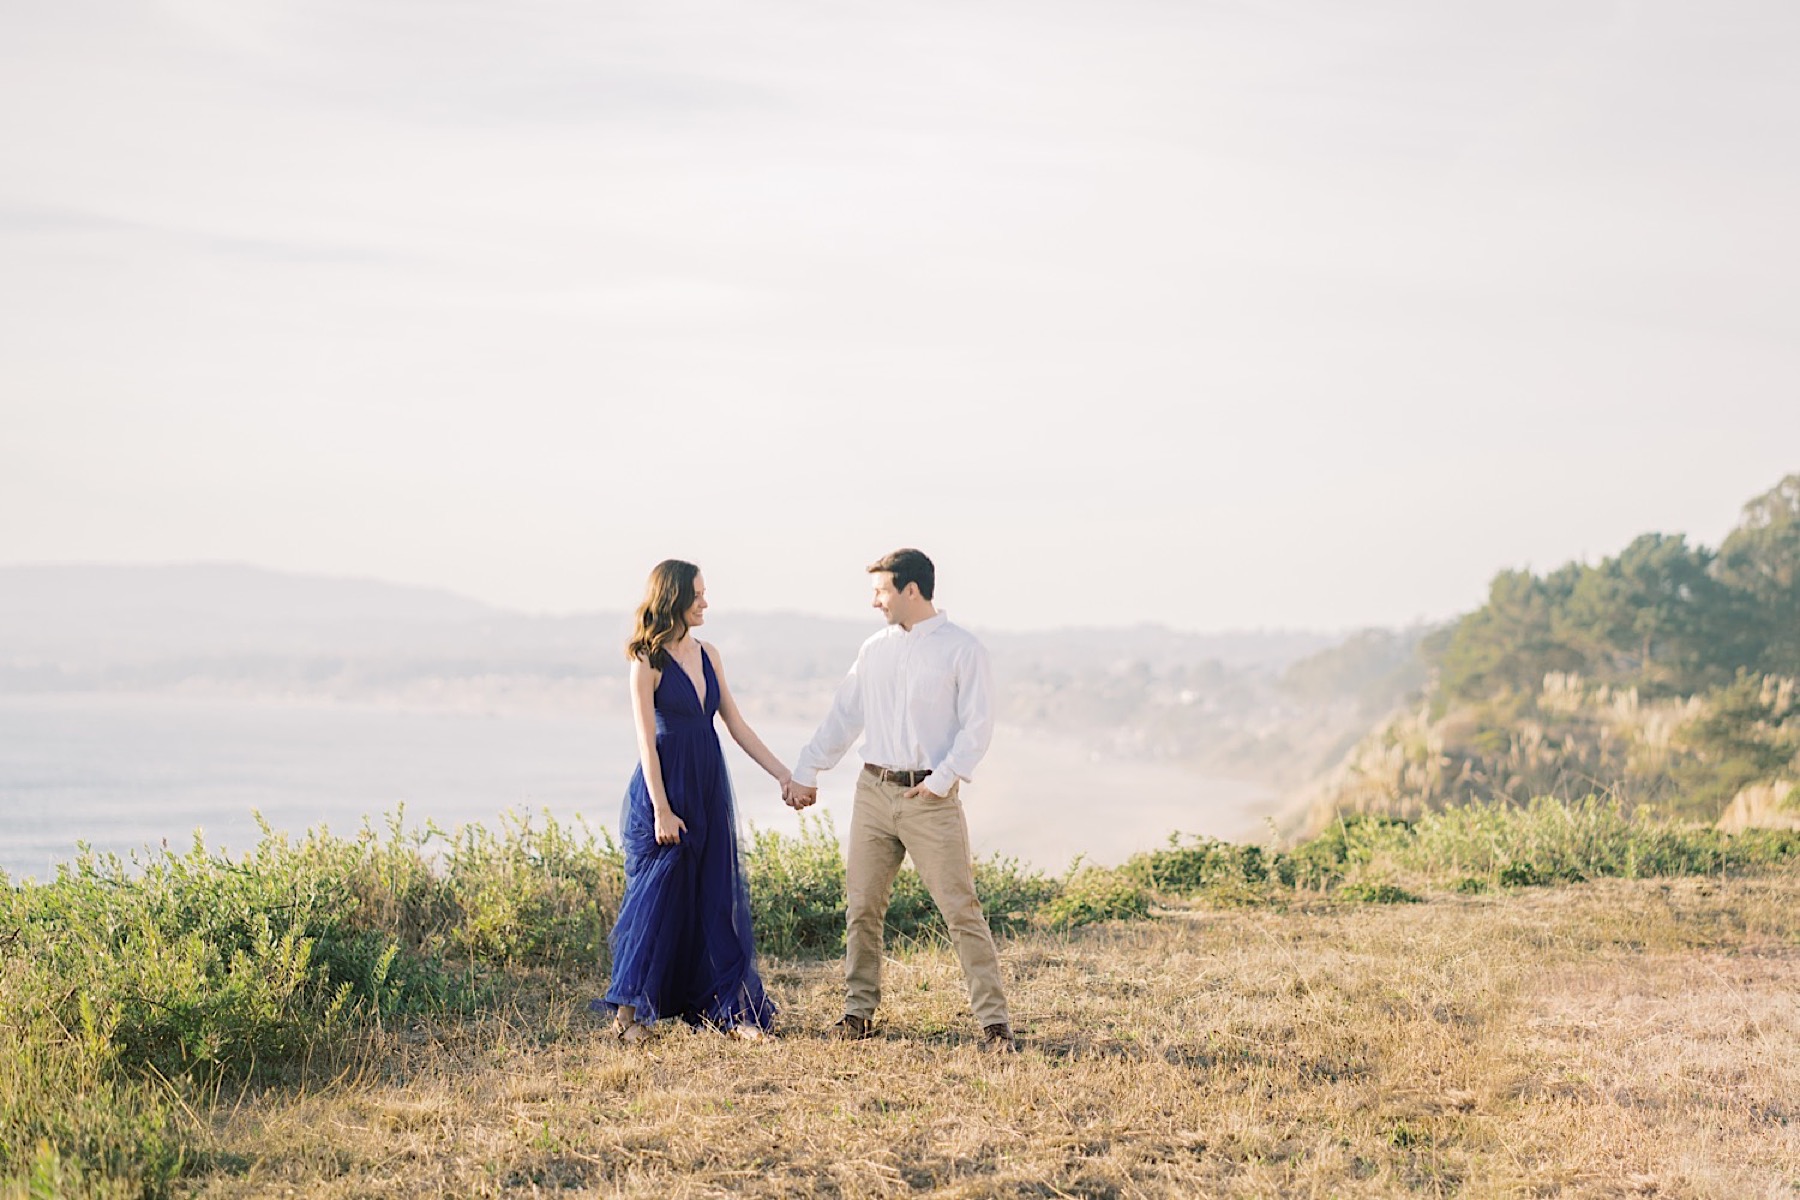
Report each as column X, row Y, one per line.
column 1284, row 313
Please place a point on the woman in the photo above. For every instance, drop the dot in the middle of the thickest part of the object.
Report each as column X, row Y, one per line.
column 682, row 944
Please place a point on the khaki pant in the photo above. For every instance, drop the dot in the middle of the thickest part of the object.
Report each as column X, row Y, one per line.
column 884, row 828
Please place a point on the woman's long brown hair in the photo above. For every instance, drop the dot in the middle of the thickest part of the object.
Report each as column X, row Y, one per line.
column 660, row 617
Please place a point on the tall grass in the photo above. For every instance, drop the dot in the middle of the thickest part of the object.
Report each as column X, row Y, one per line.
column 131, row 992
column 1466, row 849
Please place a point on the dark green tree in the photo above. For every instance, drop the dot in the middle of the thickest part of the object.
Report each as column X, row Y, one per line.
column 1761, row 561
column 1513, row 640
column 1649, row 615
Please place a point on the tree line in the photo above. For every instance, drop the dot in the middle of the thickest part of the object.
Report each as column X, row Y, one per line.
column 1663, row 616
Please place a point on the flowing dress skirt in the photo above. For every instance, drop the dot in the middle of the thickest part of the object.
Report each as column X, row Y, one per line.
column 682, row 945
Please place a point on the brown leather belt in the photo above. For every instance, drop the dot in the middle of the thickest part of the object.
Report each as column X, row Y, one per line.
column 904, row 778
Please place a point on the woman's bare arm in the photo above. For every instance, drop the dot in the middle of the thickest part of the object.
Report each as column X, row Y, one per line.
column 740, row 730
column 643, row 711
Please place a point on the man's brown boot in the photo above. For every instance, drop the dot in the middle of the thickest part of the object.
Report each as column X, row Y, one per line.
column 998, row 1039
column 852, row 1029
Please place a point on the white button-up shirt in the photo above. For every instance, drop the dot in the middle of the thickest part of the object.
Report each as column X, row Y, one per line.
column 923, row 698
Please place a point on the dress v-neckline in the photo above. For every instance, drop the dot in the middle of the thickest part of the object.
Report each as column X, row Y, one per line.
column 699, row 689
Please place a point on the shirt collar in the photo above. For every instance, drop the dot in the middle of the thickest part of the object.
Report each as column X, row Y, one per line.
column 930, row 624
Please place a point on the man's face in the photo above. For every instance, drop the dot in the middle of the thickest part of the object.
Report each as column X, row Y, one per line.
column 895, row 606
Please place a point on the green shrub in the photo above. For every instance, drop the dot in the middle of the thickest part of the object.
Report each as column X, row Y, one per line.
column 797, row 889
column 911, row 916
column 125, row 983
column 797, row 894
column 1185, row 868
column 196, row 967
column 1324, row 862
column 1097, row 894
column 1376, row 893
column 1546, row 841
column 1522, row 874
column 71, row 1123
column 533, row 895
column 1467, row 849
column 49, row 1175
column 1012, row 893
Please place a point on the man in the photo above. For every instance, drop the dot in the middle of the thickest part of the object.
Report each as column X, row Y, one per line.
column 921, row 694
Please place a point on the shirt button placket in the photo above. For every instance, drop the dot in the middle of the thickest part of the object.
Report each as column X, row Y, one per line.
column 906, row 725
column 898, row 727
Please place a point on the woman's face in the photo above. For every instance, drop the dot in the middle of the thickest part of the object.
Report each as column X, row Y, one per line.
column 695, row 616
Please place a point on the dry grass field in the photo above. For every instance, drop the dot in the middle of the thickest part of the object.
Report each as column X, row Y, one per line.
column 1615, row 1038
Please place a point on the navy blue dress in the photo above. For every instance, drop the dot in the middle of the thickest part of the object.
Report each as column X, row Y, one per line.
column 682, row 945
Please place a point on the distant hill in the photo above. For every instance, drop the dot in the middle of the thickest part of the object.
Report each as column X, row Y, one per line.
column 43, row 596
column 94, row 614
column 1244, row 704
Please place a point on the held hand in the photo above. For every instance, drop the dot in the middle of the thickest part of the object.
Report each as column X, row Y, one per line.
column 913, row 793
column 799, row 796
column 669, row 827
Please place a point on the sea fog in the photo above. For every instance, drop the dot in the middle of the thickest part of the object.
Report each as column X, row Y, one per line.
column 140, row 704
column 127, row 772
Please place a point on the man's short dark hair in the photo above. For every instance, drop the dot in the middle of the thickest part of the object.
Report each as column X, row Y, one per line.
column 908, row 566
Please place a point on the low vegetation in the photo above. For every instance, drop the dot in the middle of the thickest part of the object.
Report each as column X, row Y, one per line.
column 1233, row 1019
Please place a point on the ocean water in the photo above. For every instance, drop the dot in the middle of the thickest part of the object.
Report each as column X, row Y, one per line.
column 125, row 774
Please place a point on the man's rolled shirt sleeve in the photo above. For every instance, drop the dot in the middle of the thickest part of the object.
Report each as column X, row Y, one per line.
column 975, row 721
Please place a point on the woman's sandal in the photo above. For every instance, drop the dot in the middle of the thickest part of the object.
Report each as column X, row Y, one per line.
column 750, row 1033
column 632, row 1033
